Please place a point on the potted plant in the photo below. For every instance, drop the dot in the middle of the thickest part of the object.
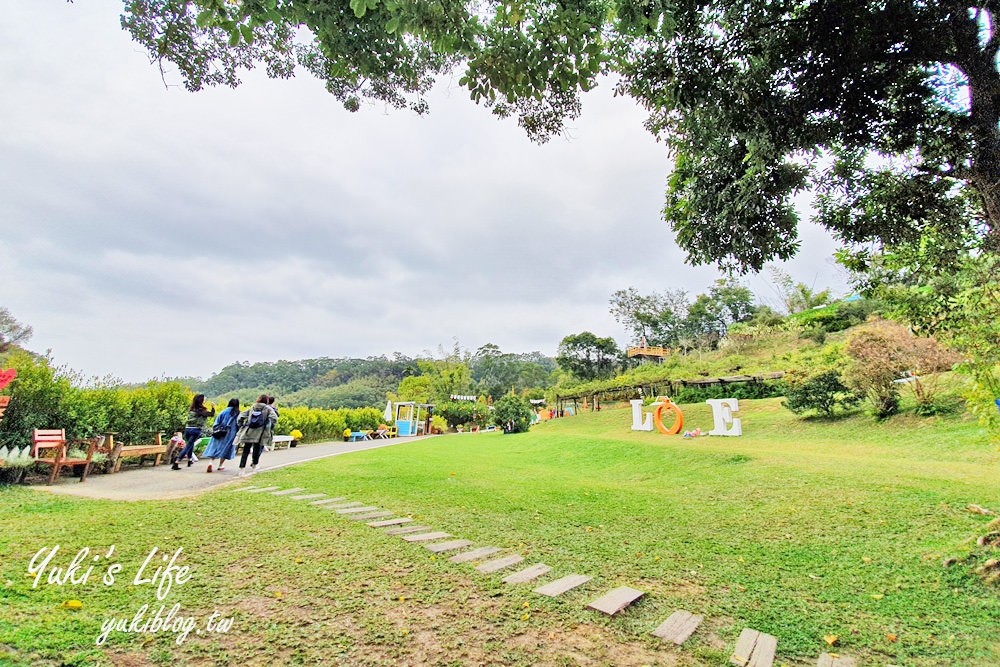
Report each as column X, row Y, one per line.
column 296, row 436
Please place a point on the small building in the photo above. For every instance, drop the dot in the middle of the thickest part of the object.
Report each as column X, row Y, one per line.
column 413, row 418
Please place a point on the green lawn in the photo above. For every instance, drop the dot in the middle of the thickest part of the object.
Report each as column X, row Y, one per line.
column 800, row 529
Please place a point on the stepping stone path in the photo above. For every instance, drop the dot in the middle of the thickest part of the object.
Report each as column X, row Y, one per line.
column 678, row 627
column 499, row 564
column 287, row 492
column 527, row 574
column 248, row 488
column 560, row 586
column 405, row 530
column 369, row 515
column 450, row 545
column 831, row 660
column 427, row 537
column 475, row 554
column 309, row 496
column 754, row 649
column 615, row 600
column 356, row 509
column 328, row 501
column 389, row 522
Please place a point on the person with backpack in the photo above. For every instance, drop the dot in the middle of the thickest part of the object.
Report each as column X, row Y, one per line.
column 197, row 415
column 256, row 425
column 224, row 430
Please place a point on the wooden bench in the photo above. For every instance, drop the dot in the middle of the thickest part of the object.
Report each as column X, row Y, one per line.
column 55, row 441
column 121, row 452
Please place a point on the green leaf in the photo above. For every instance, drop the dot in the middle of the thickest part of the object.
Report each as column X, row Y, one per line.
column 392, row 25
column 204, row 18
column 247, row 33
column 359, row 7
column 234, row 38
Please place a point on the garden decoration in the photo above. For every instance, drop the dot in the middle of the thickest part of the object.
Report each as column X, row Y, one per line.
column 646, row 423
column 639, row 421
column 678, row 424
column 722, row 411
column 6, row 377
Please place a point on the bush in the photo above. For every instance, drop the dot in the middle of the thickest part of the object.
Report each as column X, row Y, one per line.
column 455, row 413
column 741, row 390
column 822, row 392
column 839, row 316
column 882, row 354
column 513, row 414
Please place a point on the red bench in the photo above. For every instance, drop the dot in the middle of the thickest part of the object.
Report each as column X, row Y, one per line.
column 54, row 440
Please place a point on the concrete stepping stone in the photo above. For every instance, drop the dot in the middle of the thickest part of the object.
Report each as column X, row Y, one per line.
column 678, row 627
column 338, row 506
column 450, row 545
column 308, row 496
column 247, row 488
column 754, row 649
column 263, row 489
column 499, row 563
column 475, row 554
column 527, row 574
column 357, row 509
column 831, row 660
column 390, row 522
column 406, row 530
column 427, row 537
column 560, row 586
column 615, row 600
column 327, row 501
column 369, row 515
column 286, row 492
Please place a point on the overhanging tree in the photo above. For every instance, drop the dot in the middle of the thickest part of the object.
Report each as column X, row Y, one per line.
column 890, row 111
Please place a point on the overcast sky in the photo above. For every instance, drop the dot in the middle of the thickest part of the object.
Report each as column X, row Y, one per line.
column 148, row 231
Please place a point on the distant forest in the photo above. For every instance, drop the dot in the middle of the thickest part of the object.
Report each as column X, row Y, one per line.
column 350, row 383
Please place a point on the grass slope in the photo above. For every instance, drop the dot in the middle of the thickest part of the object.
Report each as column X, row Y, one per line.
column 800, row 529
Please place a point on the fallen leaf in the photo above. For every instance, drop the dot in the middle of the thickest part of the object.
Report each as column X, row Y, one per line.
column 877, row 596
column 298, row 560
column 866, row 560
column 75, row 605
column 552, row 635
column 891, row 637
column 526, row 605
column 830, row 639
column 277, row 594
column 402, row 598
column 524, row 617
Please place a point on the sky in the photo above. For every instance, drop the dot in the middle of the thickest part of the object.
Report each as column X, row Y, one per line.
column 146, row 231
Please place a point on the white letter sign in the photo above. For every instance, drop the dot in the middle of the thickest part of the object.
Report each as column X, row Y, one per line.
column 638, row 423
column 722, row 411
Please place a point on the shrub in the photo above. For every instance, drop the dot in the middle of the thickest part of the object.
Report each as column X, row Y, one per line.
column 822, row 392
column 513, row 414
column 455, row 412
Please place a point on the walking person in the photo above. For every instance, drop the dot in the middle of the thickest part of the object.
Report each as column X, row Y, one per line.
column 197, row 415
column 256, row 425
column 224, row 431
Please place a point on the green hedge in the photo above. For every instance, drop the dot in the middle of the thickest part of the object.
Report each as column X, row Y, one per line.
column 320, row 424
column 46, row 397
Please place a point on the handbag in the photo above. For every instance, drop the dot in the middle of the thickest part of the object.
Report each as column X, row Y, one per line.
column 220, row 430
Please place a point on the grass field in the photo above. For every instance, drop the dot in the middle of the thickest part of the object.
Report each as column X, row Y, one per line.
column 802, row 529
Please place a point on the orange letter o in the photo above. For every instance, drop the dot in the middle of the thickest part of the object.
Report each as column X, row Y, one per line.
column 678, row 421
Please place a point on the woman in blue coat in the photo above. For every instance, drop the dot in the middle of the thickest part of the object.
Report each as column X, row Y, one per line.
column 223, row 448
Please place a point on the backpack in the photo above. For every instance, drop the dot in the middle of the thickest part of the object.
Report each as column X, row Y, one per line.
column 257, row 417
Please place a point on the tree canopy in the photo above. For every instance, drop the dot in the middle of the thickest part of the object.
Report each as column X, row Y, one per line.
column 889, row 111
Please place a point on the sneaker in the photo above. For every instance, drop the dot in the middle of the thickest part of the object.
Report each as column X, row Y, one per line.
column 253, row 469
column 175, row 466
column 193, row 457
column 190, row 463
column 209, row 468
column 242, row 473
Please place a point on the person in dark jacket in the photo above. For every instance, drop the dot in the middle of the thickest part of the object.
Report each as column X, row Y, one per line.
column 255, row 436
column 198, row 414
